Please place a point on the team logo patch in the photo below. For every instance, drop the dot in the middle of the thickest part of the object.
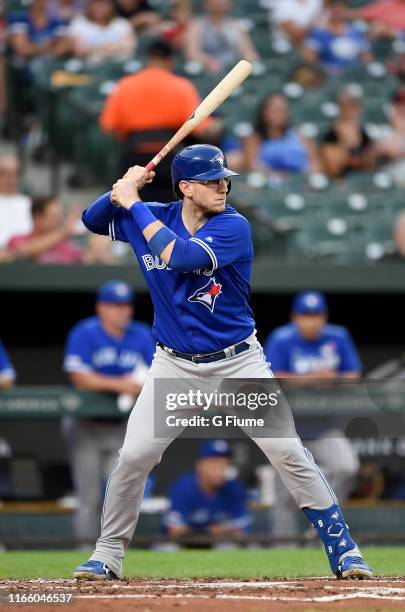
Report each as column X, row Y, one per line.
column 207, row 295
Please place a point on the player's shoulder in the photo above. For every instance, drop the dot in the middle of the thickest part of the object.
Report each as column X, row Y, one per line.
column 87, row 327
column 284, row 333
column 185, row 484
column 234, row 487
column 337, row 332
column 230, row 218
column 139, row 328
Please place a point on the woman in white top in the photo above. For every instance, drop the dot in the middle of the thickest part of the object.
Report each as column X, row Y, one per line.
column 99, row 35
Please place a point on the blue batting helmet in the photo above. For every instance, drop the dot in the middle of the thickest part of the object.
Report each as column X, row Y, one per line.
column 199, row 162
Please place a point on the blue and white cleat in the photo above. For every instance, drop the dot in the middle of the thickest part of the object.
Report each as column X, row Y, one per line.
column 353, row 568
column 94, row 570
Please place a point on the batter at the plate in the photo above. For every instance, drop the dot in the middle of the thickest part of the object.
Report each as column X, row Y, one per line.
column 196, row 255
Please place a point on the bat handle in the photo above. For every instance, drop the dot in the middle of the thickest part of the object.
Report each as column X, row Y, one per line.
column 151, row 166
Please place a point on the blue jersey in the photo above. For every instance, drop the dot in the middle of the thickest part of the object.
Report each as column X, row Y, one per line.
column 6, row 368
column 22, row 23
column 190, row 506
column 338, row 51
column 90, row 349
column 288, row 351
column 207, row 309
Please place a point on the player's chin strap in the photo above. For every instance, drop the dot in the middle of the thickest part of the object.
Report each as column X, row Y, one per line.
column 331, row 527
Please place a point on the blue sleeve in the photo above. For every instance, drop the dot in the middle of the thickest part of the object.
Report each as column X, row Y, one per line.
column 349, row 357
column 276, row 353
column 226, row 239
column 78, row 352
column 6, row 368
column 179, row 510
column 102, row 217
column 236, row 505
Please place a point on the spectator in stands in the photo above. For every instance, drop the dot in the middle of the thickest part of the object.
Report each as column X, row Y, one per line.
column 387, row 17
column 50, row 239
column 346, row 146
column 294, row 19
column 139, row 13
column 99, row 35
column 275, row 146
column 7, row 372
column 146, row 109
column 3, row 96
column 399, row 234
column 175, row 28
column 107, row 353
column 66, row 10
column 308, row 348
column 15, row 217
column 99, row 250
column 216, row 39
column 336, row 44
column 206, row 500
column 392, row 149
column 34, row 34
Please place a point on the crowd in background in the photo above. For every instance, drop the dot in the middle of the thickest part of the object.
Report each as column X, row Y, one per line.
column 328, row 35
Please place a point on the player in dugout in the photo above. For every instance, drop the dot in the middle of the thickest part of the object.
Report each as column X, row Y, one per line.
column 309, row 348
column 7, row 372
column 208, row 500
column 109, row 353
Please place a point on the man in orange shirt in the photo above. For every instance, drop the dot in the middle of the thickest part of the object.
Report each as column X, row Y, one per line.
column 147, row 108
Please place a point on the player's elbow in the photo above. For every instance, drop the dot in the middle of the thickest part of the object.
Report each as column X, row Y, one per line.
column 90, row 224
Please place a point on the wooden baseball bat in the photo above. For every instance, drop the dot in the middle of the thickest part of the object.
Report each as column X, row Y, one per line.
column 229, row 83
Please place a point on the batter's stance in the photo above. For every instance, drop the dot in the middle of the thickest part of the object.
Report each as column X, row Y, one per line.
column 196, row 255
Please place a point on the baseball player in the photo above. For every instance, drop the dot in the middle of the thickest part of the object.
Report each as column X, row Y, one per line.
column 205, row 500
column 7, row 372
column 196, row 256
column 108, row 352
column 310, row 348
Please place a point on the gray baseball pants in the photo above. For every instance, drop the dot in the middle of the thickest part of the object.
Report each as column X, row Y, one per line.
column 141, row 451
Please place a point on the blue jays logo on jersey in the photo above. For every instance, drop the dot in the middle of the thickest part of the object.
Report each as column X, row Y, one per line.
column 207, row 295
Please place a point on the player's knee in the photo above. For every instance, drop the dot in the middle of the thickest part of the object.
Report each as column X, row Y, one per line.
column 139, row 458
column 283, row 451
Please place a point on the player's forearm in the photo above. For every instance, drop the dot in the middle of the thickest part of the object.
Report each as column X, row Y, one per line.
column 41, row 244
column 6, row 383
column 99, row 215
column 91, row 381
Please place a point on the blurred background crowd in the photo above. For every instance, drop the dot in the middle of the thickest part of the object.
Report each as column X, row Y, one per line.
column 317, row 133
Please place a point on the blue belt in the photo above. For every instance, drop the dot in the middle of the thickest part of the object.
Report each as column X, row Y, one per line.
column 227, row 353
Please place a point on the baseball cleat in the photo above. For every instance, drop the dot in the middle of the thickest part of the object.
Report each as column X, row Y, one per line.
column 354, row 568
column 94, row 570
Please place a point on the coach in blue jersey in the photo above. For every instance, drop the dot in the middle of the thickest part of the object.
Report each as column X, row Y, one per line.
column 206, row 500
column 196, row 256
column 108, row 352
column 7, row 372
column 310, row 348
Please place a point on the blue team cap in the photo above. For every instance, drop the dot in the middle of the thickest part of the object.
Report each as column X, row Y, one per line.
column 214, row 448
column 115, row 292
column 309, row 302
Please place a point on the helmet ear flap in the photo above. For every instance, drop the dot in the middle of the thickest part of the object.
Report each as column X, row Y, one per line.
column 229, row 186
